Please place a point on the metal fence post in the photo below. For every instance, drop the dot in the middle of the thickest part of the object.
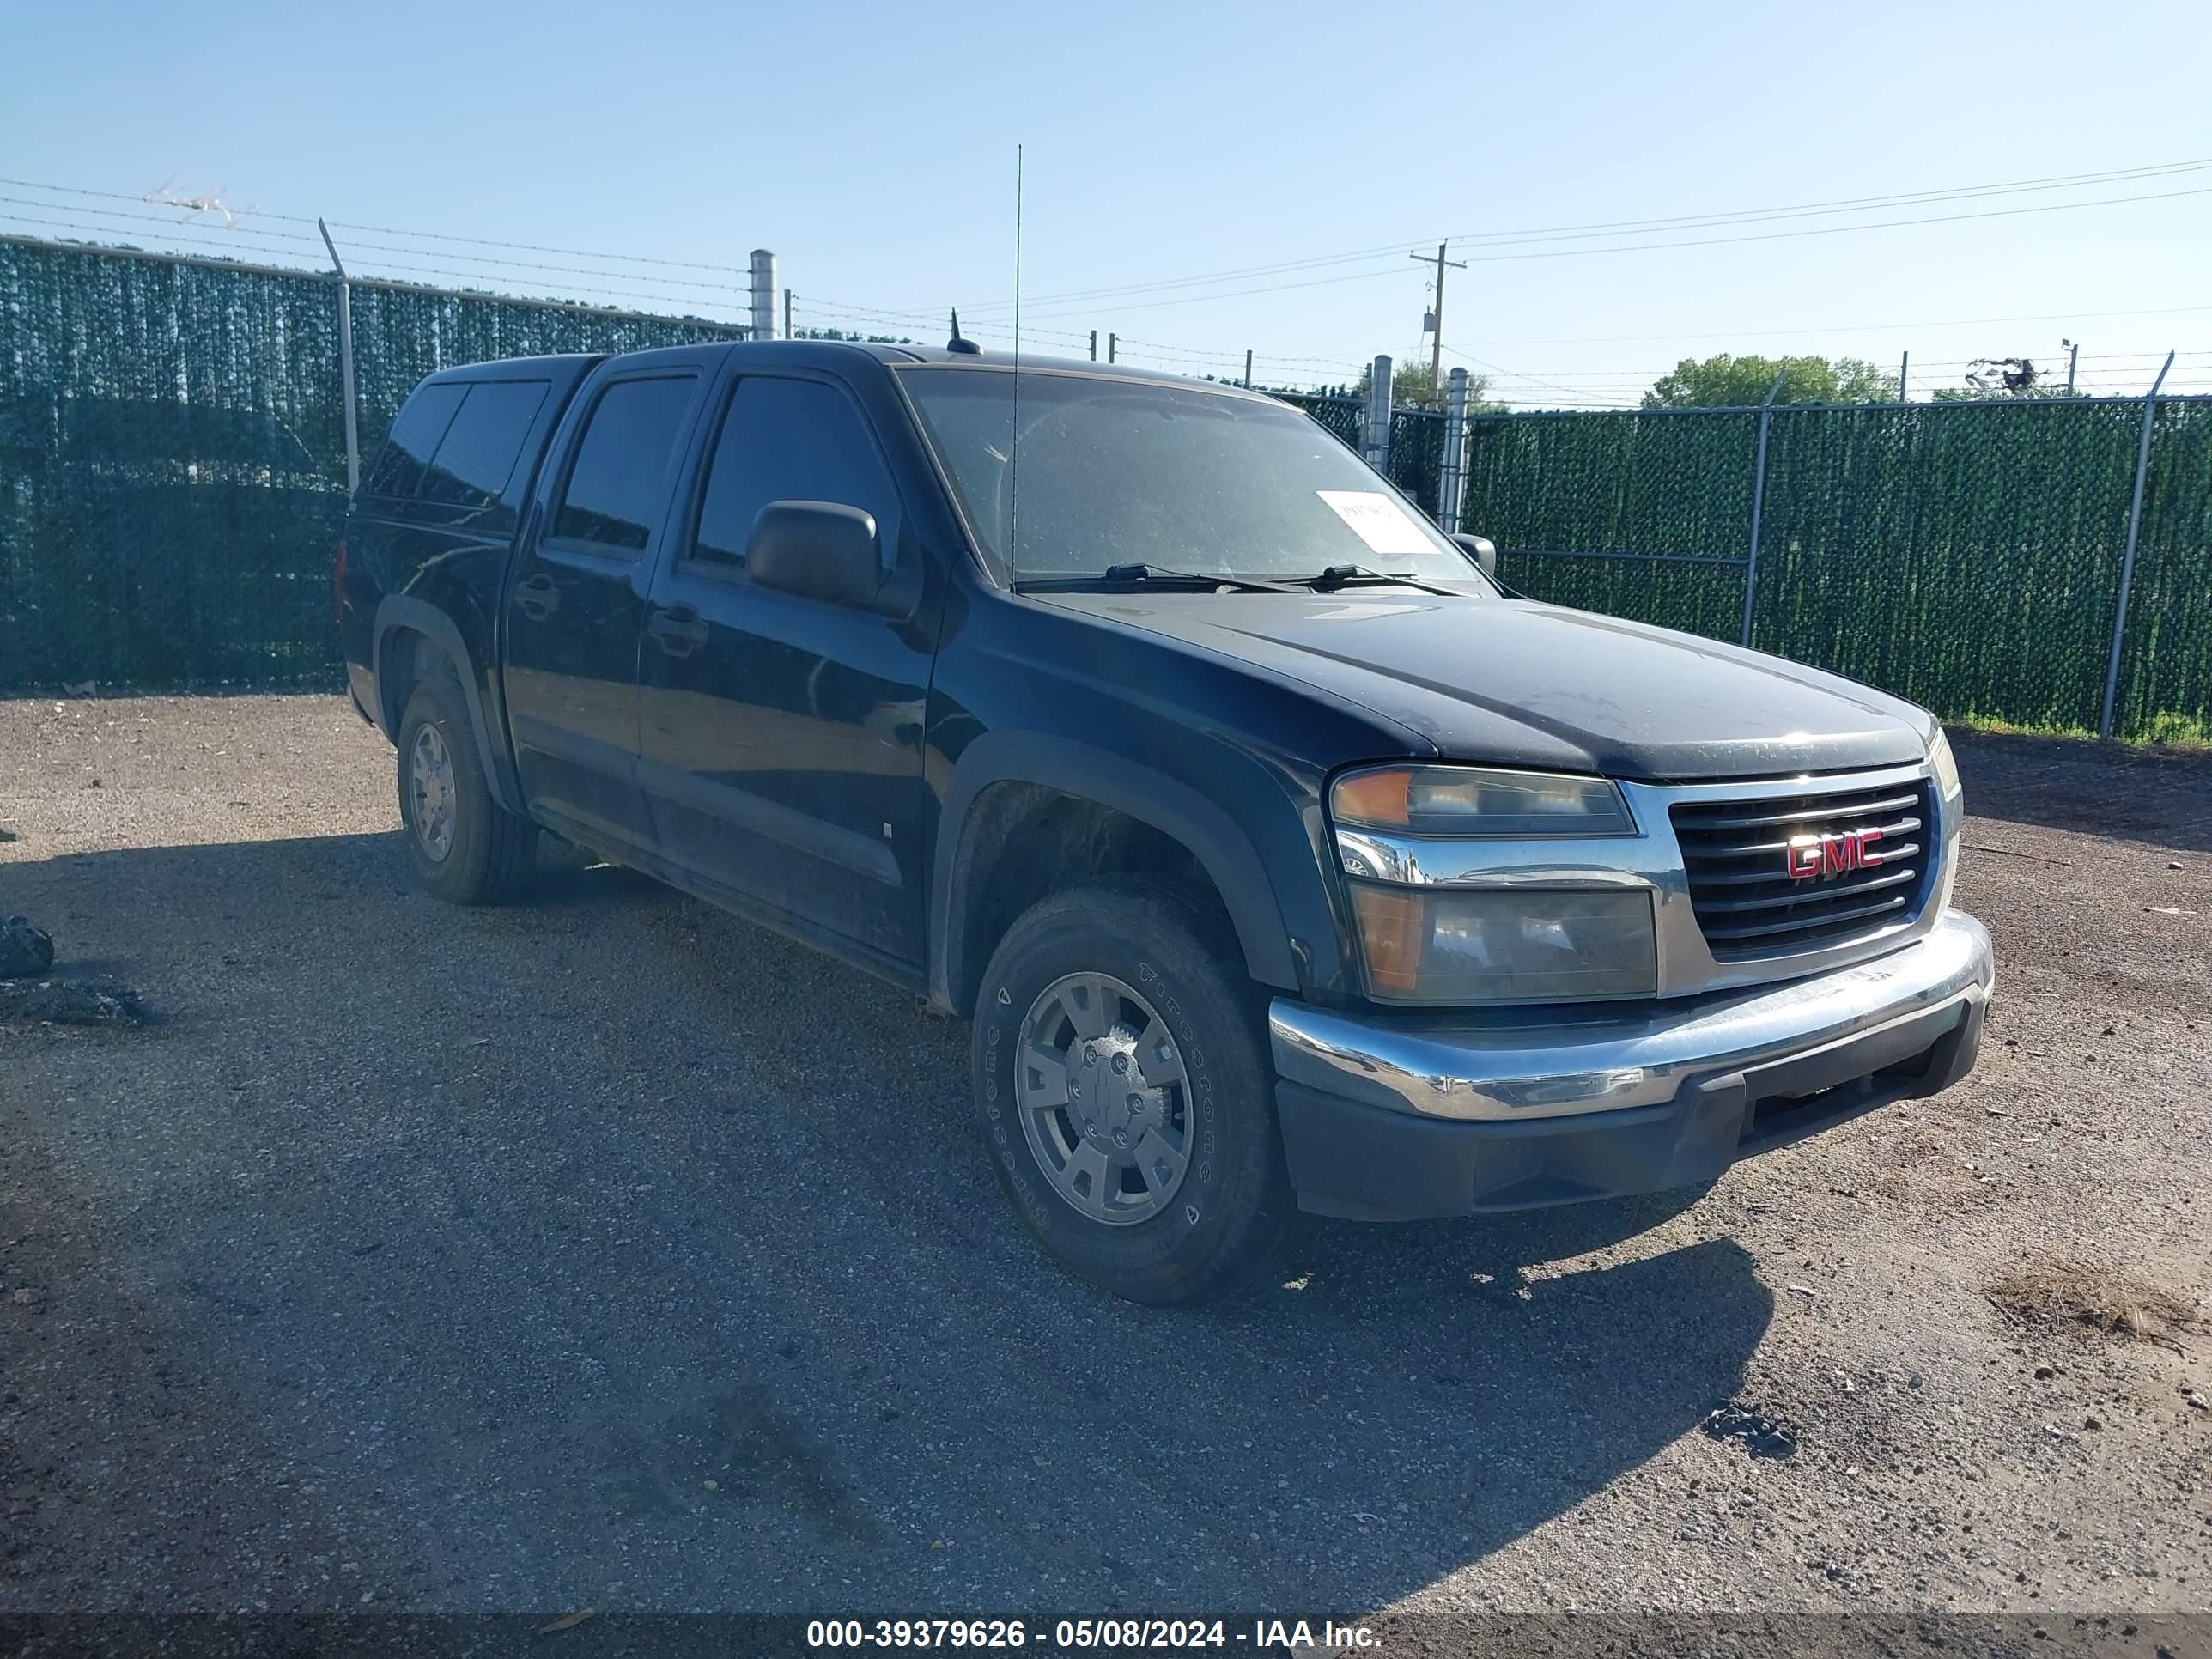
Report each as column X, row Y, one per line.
column 1454, row 482
column 763, row 295
column 1378, row 415
column 345, row 363
column 2128, row 558
column 1758, row 505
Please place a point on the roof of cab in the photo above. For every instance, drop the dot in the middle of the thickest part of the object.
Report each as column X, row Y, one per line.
column 516, row 368
column 823, row 354
column 829, row 353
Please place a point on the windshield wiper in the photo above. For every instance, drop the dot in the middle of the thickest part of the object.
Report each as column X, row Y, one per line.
column 1147, row 575
column 1354, row 576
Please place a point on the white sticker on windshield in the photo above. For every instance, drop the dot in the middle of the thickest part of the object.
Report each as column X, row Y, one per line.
column 1376, row 519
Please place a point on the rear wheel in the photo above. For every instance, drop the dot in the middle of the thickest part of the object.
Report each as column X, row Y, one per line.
column 464, row 846
column 1125, row 1097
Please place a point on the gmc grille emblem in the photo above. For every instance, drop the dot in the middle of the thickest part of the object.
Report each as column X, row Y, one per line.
column 1816, row 858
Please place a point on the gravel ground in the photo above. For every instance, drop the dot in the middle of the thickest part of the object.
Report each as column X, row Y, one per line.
column 604, row 1250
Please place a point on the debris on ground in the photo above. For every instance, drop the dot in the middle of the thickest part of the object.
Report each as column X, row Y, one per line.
column 1762, row 1435
column 2110, row 1303
column 24, row 949
column 72, row 1002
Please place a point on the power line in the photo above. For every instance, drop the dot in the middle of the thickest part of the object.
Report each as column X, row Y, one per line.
column 1853, row 205
column 1651, row 247
column 1865, row 204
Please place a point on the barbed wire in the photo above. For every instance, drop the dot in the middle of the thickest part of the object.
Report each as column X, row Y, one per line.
column 224, row 232
column 383, row 230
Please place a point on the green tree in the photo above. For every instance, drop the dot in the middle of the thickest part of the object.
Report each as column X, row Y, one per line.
column 1726, row 381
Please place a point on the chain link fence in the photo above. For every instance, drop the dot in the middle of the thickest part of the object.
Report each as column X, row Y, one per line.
column 173, row 479
column 1967, row 556
column 172, row 453
column 1416, row 440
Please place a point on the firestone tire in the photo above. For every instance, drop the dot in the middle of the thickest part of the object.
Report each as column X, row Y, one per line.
column 464, row 846
column 1184, row 1004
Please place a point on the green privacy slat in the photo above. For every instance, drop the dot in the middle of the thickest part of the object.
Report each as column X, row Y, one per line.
column 173, row 453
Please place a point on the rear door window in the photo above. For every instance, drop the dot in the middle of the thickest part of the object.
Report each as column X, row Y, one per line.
column 474, row 461
column 414, row 439
column 614, row 493
column 791, row 441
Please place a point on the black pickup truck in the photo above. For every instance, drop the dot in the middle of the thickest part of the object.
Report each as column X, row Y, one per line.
column 1280, row 858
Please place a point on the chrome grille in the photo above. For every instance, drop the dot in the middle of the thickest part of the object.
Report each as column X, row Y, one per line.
column 1748, row 904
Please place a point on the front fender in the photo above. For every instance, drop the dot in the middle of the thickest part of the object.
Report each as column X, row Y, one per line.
column 1221, row 846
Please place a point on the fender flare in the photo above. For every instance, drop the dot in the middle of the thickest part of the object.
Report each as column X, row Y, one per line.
column 404, row 610
column 1221, row 847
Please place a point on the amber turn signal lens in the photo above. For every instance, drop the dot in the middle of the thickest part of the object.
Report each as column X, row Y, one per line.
column 1374, row 797
column 1391, row 926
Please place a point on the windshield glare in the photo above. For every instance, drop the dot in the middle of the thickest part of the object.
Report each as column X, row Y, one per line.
column 1118, row 472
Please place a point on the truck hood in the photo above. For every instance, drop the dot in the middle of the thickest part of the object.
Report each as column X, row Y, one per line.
column 1513, row 682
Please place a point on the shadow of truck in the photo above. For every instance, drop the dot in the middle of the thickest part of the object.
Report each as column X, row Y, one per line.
column 621, row 1241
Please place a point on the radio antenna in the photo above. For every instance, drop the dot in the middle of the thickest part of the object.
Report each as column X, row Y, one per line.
column 1014, row 447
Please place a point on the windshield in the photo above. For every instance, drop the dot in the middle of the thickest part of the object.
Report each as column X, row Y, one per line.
column 1121, row 472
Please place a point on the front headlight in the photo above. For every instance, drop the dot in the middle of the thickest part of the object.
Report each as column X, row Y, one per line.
column 1471, row 800
column 1429, row 934
column 1946, row 766
column 1505, row 944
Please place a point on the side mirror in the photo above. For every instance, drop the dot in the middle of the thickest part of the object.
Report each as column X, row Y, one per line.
column 818, row 549
column 1486, row 553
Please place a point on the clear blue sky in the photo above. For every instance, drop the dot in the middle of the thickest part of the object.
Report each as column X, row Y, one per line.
column 872, row 147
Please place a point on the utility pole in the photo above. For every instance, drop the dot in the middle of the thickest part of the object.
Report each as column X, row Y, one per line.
column 1903, row 364
column 786, row 313
column 2073, row 358
column 1094, row 346
column 1111, row 340
column 1437, row 318
column 1248, row 368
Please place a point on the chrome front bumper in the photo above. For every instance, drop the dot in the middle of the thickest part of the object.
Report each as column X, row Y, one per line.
column 1523, row 1065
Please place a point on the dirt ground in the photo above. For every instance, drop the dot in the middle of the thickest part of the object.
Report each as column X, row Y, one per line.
column 602, row 1250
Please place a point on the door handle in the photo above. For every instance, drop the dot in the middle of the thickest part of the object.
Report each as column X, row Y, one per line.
column 679, row 630
column 537, row 597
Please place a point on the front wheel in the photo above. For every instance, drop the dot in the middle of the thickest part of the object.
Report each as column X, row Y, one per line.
column 1125, row 1097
